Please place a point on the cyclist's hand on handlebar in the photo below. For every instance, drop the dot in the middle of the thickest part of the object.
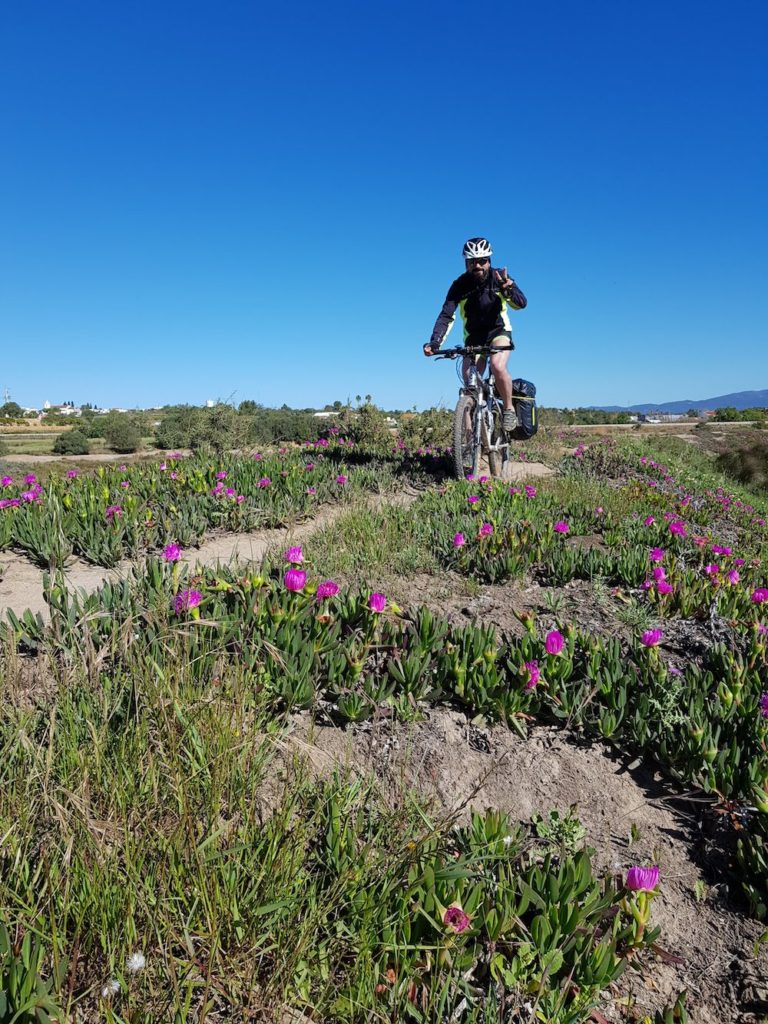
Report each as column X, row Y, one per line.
column 429, row 349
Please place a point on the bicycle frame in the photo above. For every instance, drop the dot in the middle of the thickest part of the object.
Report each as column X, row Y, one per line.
column 479, row 401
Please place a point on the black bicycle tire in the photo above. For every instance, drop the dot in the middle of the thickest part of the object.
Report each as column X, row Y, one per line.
column 495, row 458
column 460, row 469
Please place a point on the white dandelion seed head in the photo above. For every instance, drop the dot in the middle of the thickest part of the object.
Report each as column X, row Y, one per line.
column 136, row 962
column 507, row 840
column 110, row 989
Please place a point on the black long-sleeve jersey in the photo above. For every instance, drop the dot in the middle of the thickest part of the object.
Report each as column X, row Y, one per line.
column 484, row 309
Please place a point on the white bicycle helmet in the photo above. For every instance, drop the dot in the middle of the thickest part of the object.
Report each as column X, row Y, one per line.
column 477, row 248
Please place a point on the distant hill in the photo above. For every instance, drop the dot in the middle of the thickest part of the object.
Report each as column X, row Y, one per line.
column 738, row 400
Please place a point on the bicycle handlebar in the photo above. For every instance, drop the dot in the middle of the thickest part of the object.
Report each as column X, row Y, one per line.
column 471, row 350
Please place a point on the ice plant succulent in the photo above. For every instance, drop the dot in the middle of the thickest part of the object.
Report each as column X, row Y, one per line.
column 186, row 600
column 486, row 529
column 295, row 580
column 534, row 674
column 641, row 886
column 651, row 637
column 554, row 642
column 329, row 588
column 641, row 879
column 459, row 540
column 456, row 919
column 377, row 602
column 561, row 527
column 172, row 552
column 294, row 555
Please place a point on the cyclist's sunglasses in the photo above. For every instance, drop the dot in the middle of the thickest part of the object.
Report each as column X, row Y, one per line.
column 477, row 261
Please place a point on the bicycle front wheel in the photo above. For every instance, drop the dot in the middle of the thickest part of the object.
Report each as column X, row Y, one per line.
column 495, row 457
column 466, row 439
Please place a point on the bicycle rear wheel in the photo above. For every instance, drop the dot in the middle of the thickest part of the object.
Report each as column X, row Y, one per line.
column 466, row 442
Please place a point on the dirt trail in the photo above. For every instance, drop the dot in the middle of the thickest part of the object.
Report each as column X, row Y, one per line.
column 21, row 583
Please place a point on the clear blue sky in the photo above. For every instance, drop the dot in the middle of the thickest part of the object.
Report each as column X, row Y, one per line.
column 236, row 200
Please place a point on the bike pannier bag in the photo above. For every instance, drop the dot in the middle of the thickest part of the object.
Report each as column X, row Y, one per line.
column 524, row 401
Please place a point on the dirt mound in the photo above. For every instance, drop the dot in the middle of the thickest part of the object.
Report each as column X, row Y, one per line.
column 630, row 814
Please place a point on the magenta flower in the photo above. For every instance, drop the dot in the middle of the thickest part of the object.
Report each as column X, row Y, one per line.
column 257, row 456
column 125, row 483
column 658, row 573
column 6, row 481
column 472, row 499
column 163, row 466
column 530, row 491
column 341, row 479
column 221, row 475
column 309, row 467
column 712, row 569
column 294, row 555
column 760, row 595
column 733, row 576
column 114, row 512
column 30, row 478
column 561, row 527
column 718, row 549
column 764, row 705
column 71, row 473
column 554, row 642
column 264, row 482
column 678, row 528
column 651, row 637
column 534, row 674
column 656, row 554
column 642, row 879
column 665, row 588
column 327, row 589
column 648, row 521
column 172, row 552
column 377, row 602
column 455, row 919
column 459, row 540
column 186, row 599
column 295, row 580
column 486, row 529
column 311, row 490
column 173, row 475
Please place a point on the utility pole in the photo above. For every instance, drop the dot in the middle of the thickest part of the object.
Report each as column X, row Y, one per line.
column 6, row 394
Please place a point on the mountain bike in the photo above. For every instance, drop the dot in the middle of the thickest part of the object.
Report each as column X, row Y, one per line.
column 478, row 419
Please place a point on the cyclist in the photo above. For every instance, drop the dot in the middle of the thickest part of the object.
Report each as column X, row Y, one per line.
column 483, row 294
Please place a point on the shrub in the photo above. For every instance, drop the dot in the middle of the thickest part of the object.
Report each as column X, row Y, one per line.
column 123, row 435
column 748, row 465
column 71, row 442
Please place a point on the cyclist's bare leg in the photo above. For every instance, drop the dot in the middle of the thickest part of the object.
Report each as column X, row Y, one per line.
column 501, row 375
column 468, row 362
